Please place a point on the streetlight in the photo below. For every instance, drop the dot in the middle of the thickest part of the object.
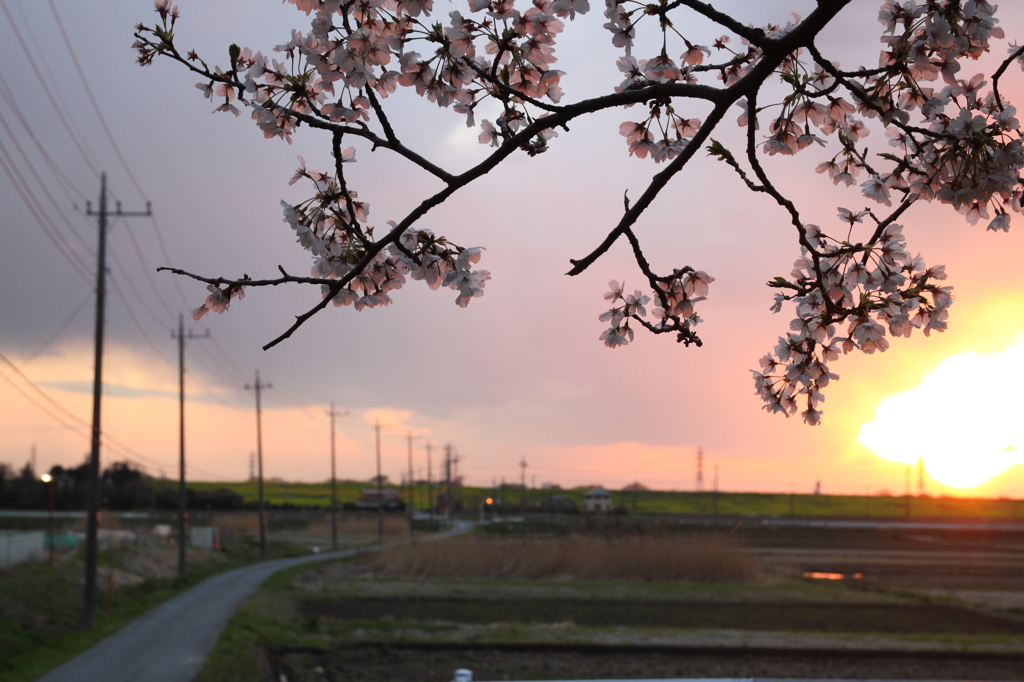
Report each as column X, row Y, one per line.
column 48, row 479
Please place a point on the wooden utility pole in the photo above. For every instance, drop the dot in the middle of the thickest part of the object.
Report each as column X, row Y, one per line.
column 257, row 387
column 448, row 480
column 412, row 484
column 92, row 493
column 334, row 481
column 380, row 488
column 182, row 494
column 430, row 484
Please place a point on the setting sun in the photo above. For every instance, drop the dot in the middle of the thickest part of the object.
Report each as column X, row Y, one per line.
column 965, row 419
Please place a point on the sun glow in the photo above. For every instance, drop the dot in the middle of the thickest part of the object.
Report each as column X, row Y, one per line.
column 966, row 419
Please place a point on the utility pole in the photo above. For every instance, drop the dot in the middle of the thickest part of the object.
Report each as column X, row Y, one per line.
column 92, row 493
column 182, row 495
column 259, row 461
column 700, row 470
column 448, row 481
column 412, row 484
column 522, row 495
column 456, row 457
column 32, row 459
column 430, row 484
column 334, row 481
column 920, row 476
column 380, row 488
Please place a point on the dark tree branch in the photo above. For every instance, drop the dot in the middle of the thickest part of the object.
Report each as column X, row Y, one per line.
column 999, row 74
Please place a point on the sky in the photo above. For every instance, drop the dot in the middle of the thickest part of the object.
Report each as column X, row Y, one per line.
column 520, row 374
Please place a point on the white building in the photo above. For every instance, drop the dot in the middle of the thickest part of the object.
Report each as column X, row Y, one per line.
column 598, row 501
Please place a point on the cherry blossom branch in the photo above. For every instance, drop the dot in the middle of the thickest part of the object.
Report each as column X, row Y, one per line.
column 754, row 36
column 719, row 150
column 657, row 183
column 749, row 84
column 1002, row 69
column 770, row 189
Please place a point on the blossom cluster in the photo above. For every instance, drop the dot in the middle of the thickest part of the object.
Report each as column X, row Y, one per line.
column 873, row 289
column 218, row 300
column 677, row 294
column 964, row 150
column 333, row 227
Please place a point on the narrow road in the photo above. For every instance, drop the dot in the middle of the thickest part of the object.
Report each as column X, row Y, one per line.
column 170, row 643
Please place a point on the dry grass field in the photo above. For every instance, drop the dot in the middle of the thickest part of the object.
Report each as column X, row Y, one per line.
column 709, row 559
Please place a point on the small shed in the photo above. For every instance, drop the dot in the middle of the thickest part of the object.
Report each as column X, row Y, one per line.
column 598, row 501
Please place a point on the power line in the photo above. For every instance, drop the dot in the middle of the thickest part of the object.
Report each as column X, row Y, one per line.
column 135, row 321
column 215, row 368
column 110, row 138
column 92, row 100
column 46, row 89
column 50, row 230
column 41, row 407
column 8, row 96
column 41, row 56
column 147, row 271
column 42, row 185
column 125, row 451
column 131, row 285
column 108, row 440
column 227, row 357
column 60, row 329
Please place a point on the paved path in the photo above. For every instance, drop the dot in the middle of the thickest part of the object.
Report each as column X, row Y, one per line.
column 170, row 643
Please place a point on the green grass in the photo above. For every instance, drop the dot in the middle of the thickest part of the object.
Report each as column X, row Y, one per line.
column 663, row 502
column 269, row 616
column 41, row 607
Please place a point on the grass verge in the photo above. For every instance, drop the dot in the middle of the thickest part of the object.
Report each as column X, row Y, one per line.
column 41, row 606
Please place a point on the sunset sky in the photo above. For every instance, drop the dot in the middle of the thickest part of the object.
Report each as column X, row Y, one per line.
column 520, row 373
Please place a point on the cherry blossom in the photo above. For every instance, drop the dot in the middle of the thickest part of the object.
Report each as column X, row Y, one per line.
column 919, row 127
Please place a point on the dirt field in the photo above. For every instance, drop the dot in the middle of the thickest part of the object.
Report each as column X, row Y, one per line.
column 402, row 664
column 904, row 605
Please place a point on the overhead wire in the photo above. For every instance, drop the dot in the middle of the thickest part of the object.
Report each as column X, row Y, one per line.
column 147, row 271
column 41, row 56
column 65, row 182
column 163, row 322
column 110, row 138
column 43, row 185
column 105, row 438
column 42, row 218
column 135, row 321
column 227, row 358
column 46, row 89
column 111, row 442
column 210, row 369
column 36, row 206
column 53, row 337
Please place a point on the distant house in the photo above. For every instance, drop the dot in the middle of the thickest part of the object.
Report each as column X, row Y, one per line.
column 597, row 501
column 558, row 504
